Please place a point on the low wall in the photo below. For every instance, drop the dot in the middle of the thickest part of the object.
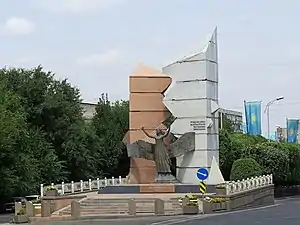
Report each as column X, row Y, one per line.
column 154, row 188
column 59, row 202
column 244, row 199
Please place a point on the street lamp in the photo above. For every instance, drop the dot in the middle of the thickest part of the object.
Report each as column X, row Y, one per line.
column 267, row 109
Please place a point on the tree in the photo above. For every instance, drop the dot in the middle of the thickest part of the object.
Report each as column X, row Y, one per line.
column 111, row 122
column 26, row 158
column 53, row 107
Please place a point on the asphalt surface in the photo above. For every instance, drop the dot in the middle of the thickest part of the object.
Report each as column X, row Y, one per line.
column 5, row 218
column 283, row 212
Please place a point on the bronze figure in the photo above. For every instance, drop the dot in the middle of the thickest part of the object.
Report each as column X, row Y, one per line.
column 160, row 153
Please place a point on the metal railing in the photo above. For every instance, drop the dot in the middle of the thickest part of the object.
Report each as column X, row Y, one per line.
column 252, row 183
column 83, row 186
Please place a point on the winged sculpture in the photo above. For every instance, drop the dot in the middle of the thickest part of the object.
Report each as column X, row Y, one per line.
column 160, row 153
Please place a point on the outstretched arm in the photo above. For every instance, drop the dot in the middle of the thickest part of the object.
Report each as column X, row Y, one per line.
column 167, row 133
column 148, row 135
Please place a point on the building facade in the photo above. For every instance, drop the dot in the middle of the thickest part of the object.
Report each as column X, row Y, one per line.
column 281, row 134
column 88, row 110
column 235, row 117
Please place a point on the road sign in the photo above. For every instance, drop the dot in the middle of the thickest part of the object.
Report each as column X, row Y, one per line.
column 202, row 187
column 202, row 174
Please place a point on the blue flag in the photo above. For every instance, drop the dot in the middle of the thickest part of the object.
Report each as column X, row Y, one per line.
column 253, row 117
column 292, row 130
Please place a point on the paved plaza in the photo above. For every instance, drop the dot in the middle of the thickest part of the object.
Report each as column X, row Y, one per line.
column 283, row 212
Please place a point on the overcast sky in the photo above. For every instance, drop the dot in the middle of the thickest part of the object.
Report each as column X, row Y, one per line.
column 96, row 44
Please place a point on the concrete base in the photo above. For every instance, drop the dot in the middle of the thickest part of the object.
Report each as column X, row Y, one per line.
column 154, row 188
column 166, row 178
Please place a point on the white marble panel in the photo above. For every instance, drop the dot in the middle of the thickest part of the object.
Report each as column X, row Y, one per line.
column 206, row 142
column 211, row 52
column 189, row 108
column 197, row 125
column 193, row 70
column 192, row 90
column 214, row 129
column 198, row 159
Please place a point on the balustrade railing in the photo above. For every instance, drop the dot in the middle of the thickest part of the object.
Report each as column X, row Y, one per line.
column 248, row 184
column 82, row 186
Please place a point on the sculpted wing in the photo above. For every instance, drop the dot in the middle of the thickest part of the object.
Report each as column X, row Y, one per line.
column 140, row 149
column 182, row 145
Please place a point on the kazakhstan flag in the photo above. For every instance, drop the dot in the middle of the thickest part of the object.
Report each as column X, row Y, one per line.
column 253, row 117
column 292, row 130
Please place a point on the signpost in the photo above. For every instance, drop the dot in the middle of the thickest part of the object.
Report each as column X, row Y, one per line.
column 202, row 175
column 202, row 187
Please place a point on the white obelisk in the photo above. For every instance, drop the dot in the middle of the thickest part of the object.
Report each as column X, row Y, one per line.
column 193, row 100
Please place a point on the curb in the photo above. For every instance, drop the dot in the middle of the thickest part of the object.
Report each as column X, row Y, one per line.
column 34, row 220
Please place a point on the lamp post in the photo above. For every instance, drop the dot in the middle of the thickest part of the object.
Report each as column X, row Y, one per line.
column 267, row 109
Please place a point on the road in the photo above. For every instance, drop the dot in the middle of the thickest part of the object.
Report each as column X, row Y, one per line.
column 284, row 212
column 5, row 218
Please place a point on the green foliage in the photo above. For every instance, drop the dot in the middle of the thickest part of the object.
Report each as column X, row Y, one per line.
column 44, row 137
column 245, row 168
column 111, row 123
column 21, row 212
column 278, row 158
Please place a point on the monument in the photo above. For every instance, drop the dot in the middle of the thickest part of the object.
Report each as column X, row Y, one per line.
column 193, row 100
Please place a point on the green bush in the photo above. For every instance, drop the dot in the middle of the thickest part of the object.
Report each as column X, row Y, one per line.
column 278, row 158
column 272, row 158
column 293, row 177
column 245, row 168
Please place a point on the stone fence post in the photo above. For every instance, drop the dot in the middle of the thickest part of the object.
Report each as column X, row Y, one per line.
column 159, row 207
column 75, row 209
column 131, row 207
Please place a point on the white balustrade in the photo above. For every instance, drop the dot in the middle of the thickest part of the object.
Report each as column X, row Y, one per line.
column 248, row 184
column 82, row 186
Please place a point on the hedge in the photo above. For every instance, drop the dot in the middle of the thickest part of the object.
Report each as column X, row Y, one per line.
column 280, row 159
column 245, row 168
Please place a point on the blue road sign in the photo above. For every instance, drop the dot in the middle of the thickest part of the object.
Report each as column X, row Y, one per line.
column 202, row 174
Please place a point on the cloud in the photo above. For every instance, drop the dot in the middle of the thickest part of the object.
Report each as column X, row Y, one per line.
column 78, row 6
column 102, row 59
column 18, row 26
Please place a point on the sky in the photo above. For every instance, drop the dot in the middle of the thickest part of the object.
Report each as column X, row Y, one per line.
column 97, row 44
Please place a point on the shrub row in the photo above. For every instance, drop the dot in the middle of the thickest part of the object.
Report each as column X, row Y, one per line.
column 280, row 159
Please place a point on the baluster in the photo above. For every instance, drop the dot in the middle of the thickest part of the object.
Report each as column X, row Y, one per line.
column 233, row 187
column 264, row 180
column 255, row 182
column 268, row 179
column 247, row 183
column 243, row 185
column 98, row 184
column 105, row 181
column 42, row 190
column 120, row 180
column 271, row 182
column 90, row 184
column 81, row 185
column 239, row 186
column 62, row 188
column 113, row 181
column 72, row 187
